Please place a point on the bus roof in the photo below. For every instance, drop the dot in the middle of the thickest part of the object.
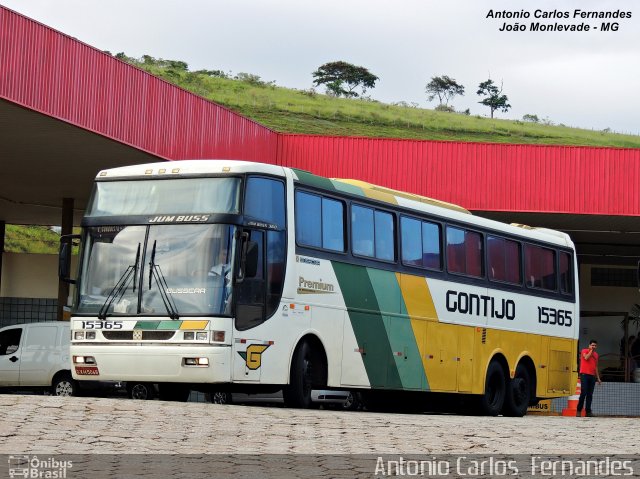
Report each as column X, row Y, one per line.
column 343, row 186
column 190, row 167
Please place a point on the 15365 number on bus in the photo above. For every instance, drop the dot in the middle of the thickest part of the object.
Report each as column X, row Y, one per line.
column 552, row 316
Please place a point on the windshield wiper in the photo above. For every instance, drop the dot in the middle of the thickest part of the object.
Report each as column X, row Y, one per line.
column 156, row 273
column 121, row 286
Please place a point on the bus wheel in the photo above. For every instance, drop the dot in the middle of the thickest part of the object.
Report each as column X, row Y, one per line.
column 298, row 393
column 140, row 390
column 173, row 392
column 495, row 389
column 518, row 394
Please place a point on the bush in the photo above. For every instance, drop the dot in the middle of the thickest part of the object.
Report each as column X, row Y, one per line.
column 531, row 118
column 250, row 78
column 445, row 108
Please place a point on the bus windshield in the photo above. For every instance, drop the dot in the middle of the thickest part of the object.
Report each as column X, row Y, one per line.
column 170, row 196
column 157, row 270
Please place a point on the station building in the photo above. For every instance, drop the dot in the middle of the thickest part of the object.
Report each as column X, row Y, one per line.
column 68, row 110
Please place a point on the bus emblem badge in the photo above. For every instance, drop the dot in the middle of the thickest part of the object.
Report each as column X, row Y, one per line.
column 253, row 355
column 137, row 334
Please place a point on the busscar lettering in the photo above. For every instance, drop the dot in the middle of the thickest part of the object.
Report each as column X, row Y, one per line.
column 480, row 305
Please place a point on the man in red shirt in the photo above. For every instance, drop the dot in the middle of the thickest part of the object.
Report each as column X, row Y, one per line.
column 588, row 376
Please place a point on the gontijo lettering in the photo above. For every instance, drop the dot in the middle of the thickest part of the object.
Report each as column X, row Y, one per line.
column 480, row 305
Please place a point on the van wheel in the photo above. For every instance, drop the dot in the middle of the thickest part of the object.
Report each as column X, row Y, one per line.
column 64, row 385
column 140, row 390
column 518, row 395
column 298, row 393
column 491, row 402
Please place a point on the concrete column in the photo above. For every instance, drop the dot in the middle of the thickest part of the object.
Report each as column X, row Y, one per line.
column 67, row 229
column 2, row 232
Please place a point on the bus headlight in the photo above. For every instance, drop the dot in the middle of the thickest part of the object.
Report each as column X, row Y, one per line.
column 188, row 335
column 202, row 336
column 81, row 335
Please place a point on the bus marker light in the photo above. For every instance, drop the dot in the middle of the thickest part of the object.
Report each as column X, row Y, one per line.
column 203, row 361
column 162, row 171
column 292, row 306
column 226, row 169
column 78, row 359
column 270, row 343
column 307, row 308
column 78, row 335
column 91, row 335
column 148, row 172
column 103, row 173
column 219, row 336
column 243, row 341
column 175, row 170
column 190, row 361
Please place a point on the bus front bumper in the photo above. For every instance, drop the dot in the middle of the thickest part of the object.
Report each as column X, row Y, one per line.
column 176, row 364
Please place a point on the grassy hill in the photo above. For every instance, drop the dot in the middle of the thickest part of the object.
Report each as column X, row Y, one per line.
column 31, row 239
column 306, row 111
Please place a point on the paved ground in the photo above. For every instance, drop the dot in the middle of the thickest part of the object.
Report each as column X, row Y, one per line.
column 51, row 425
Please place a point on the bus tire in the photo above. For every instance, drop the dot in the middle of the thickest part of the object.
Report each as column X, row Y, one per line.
column 298, row 393
column 518, row 395
column 495, row 390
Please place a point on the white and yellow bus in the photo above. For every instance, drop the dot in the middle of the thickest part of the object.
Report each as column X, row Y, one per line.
column 229, row 275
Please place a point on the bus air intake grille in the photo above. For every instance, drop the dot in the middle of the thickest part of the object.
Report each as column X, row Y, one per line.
column 484, row 335
column 146, row 335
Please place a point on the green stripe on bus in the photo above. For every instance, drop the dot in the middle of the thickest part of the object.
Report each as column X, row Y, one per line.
column 312, row 180
column 172, row 325
column 347, row 188
column 406, row 355
column 368, row 325
column 147, row 325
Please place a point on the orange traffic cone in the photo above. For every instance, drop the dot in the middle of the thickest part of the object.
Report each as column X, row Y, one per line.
column 572, row 403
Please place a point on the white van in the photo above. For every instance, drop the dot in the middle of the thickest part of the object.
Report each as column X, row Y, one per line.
column 36, row 355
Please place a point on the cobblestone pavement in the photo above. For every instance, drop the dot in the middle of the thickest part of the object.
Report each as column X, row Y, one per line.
column 53, row 425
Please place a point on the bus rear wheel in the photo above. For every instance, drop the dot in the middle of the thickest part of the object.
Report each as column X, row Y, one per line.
column 518, row 395
column 306, row 372
column 495, row 389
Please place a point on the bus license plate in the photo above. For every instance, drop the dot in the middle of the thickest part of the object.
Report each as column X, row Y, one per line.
column 87, row 370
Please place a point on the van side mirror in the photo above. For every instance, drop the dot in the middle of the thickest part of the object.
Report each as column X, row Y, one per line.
column 64, row 258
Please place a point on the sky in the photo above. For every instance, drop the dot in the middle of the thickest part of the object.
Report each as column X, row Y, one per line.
column 581, row 79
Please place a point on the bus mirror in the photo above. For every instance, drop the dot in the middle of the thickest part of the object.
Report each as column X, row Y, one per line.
column 251, row 265
column 64, row 258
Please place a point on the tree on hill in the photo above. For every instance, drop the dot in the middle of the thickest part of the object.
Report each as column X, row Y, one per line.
column 494, row 98
column 444, row 88
column 342, row 78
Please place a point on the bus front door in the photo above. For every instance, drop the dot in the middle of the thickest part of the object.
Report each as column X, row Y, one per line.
column 250, row 312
